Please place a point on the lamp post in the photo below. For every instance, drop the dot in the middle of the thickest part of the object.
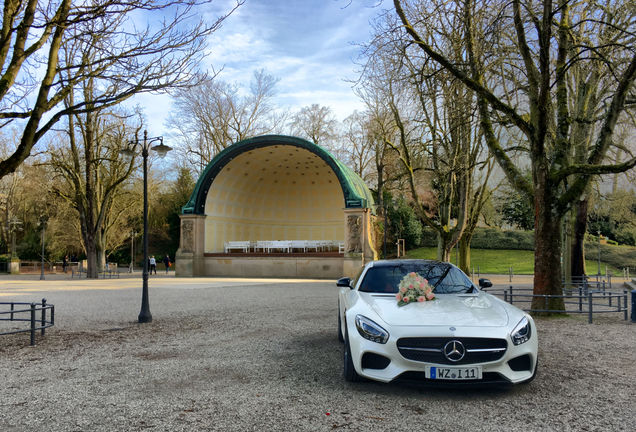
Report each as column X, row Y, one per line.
column 386, row 227
column 132, row 251
column 161, row 149
column 599, row 253
column 14, row 225
column 43, row 226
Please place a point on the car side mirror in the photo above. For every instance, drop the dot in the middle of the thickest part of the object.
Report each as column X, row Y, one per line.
column 344, row 282
column 484, row 283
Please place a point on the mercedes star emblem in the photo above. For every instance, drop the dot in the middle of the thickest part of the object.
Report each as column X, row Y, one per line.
column 454, row 351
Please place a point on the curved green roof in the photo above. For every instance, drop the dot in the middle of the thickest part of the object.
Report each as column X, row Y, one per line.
column 355, row 191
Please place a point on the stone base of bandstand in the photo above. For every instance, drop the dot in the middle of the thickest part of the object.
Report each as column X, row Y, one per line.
column 303, row 267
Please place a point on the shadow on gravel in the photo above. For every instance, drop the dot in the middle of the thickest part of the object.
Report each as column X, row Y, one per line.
column 318, row 357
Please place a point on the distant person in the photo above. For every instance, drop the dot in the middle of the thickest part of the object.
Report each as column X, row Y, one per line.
column 153, row 264
column 65, row 263
column 166, row 262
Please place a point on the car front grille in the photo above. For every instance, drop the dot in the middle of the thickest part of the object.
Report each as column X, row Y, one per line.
column 431, row 349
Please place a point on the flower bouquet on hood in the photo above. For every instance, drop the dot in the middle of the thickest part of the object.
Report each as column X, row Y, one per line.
column 414, row 288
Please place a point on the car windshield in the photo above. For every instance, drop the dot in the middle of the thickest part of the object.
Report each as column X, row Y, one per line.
column 444, row 277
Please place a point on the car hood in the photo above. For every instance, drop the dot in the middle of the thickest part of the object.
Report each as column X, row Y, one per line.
column 474, row 310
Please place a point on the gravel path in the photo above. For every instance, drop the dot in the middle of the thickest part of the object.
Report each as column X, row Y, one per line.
column 232, row 355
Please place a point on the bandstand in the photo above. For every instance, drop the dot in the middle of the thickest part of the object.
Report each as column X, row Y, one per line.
column 276, row 206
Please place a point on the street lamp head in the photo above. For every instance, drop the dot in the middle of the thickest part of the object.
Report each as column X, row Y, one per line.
column 161, row 149
column 128, row 153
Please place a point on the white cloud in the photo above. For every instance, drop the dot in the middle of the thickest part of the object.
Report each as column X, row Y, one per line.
column 308, row 44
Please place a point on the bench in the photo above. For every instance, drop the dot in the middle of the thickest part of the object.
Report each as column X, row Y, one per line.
column 244, row 246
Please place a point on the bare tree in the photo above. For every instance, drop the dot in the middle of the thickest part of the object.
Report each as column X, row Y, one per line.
column 359, row 145
column 316, row 123
column 518, row 58
column 91, row 173
column 48, row 48
column 434, row 129
column 213, row 115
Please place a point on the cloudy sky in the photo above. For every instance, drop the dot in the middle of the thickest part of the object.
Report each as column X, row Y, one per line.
column 310, row 45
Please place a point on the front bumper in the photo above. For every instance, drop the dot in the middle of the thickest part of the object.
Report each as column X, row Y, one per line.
column 385, row 363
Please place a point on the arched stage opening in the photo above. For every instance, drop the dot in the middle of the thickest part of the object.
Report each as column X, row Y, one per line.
column 276, row 206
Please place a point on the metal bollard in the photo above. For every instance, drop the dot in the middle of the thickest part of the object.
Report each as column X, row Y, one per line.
column 510, row 294
column 43, row 323
column 32, row 324
column 589, row 299
column 580, row 299
column 633, row 306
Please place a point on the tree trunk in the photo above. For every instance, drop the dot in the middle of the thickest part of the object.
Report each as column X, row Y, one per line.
column 578, row 239
column 443, row 247
column 101, row 259
column 464, row 253
column 91, row 258
column 547, row 251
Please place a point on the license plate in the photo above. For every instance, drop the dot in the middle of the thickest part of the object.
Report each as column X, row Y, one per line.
column 453, row 373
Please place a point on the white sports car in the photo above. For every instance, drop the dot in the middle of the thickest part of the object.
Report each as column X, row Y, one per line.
column 461, row 335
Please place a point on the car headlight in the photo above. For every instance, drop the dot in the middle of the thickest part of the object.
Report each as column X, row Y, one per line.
column 522, row 332
column 370, row 330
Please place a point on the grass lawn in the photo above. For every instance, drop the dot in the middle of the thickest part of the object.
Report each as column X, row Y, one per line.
column 499, row 261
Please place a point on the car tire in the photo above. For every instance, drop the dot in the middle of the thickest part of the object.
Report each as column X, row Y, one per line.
column 348, row 370
column 340, row 337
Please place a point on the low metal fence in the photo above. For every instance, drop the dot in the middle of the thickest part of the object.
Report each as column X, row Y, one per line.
column 112, row 272
column 580, row 300
column 27, row 312
column 593, row 282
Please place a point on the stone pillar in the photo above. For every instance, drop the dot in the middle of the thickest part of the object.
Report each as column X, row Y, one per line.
column 189, row 260
column 358, row 240
column 14, row 266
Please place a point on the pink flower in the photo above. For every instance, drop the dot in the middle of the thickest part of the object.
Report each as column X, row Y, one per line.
column 403, row 289
column 410, row 286
column 430, row 295
column 398, row 296
column 406, row 299
column 421, row 299
column 421, row 286
column 425, row 281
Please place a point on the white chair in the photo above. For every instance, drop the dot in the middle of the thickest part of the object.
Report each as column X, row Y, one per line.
column 312, row 244
column 283, row 245
column 244, row 246
column 262, row 245
column 298, row 244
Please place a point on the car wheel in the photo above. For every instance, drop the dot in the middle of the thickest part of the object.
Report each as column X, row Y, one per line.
column 340, row 338
column 348, row 370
